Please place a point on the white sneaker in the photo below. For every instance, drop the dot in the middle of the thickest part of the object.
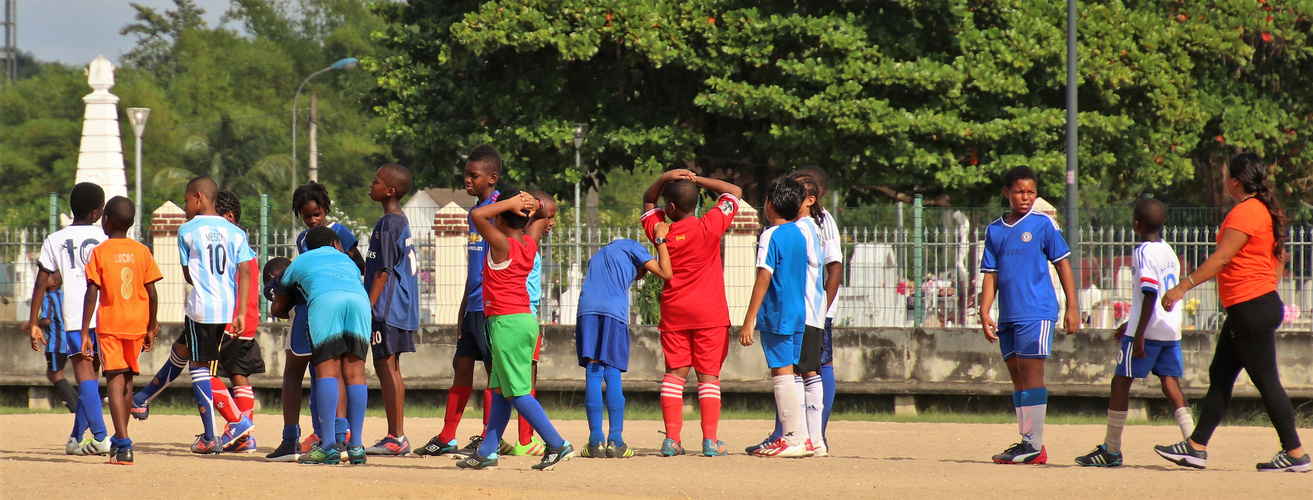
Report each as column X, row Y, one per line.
column 93, row 447
column 782, row 449
column 819, row 449
column 73, row 446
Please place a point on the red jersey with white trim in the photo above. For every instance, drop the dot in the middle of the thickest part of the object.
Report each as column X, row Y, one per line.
column 503, row 282
column 694, row 298
column 252, row 304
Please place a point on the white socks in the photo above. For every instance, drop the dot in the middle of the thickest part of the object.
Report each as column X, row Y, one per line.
column 1186, row 420
column 1030, row 423
column 1116, row 422
column 815, row 407
column 788, row 405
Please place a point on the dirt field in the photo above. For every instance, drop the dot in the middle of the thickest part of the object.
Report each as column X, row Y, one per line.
column 870, row 460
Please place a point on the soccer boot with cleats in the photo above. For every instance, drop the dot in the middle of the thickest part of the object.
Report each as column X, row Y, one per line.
column 140, row 411
column 243, row 445
column 390, row 445
column 1283, row 462
column 470, row 449
column 121, row 456
column 1183, row 454
column 74, row 446
column 504, row 448
column 436, row 448
column 204, row 447
column 670, row 448
column 819, row 448
column 1022, row 453
column 594, row 450
column 713, row 448
column 234, row 432
column 356, row 455
column 93, row 447
column 752, row 450
column 309, row 443
column 1100, row 457
column 287, row 451
column 554, row 456
column 535, row 448
column 618, row 450
column 475, row 461
column 780, row 448
column 320, row 456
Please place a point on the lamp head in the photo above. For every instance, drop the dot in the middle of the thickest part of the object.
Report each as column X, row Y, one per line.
column 137, row 117
column 580, row 131
column 345, row 64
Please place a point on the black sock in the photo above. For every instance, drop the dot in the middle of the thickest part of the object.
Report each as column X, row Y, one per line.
column 67, row 394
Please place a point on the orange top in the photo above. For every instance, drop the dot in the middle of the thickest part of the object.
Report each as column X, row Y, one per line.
column 1253, row 270
column 121, row 268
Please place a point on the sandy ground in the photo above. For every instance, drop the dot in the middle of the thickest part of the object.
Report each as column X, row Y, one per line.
column 870, row 460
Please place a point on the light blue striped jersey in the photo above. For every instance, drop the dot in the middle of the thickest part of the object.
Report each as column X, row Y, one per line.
column 210, row 248
column 816, row 281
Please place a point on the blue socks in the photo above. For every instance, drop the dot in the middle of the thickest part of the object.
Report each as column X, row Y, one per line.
column 79, row 419
column 341, row 425
column 529, row 408
column 316, row 427
column 615, row 404
column 498, row 416
column 292, row 433
column 827, row 385
column 326, row 396
column 89, row 404
column 200, row 387
column 356, row 399
column 162, row 379
column 120, row 443
column 593, row 376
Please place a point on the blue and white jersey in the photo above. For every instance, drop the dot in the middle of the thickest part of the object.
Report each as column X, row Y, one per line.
column 52, row 308
column 534, row 284
column 210, row 248
column 478, row 253
column 1020, row 253
column 833, row 245
column 392, row 251
column 65, row 252
column 784, row 309
column 344, row 235
column 815, row 278
column 1157, row 270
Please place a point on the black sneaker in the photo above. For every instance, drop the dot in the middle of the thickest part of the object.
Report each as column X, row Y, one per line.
column 1100, row 457
column 1283, row 462
column 470, row 449
column 1183, row 454
column 554, row 456
column 1022, row 453
column 288, row 451
column 123, row 456
column 436, row 448
column 478, row 462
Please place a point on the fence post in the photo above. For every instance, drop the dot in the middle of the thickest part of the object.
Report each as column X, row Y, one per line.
column 54, row 212
column 918, row 260
column 264, row 244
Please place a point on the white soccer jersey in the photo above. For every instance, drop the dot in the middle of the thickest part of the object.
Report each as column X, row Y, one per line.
column 833, row 248
column 210, row 248
column 1156, row 269
column 815, row 279
column 66, row 252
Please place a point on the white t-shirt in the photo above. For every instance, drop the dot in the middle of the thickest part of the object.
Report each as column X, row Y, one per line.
column 833, row 248
column 1156, row 269
column 815, row 280
column 66, row 252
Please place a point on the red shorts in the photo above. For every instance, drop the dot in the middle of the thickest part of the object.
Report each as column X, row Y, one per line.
column 118, row 354
column 538, row 349
column 703, row 349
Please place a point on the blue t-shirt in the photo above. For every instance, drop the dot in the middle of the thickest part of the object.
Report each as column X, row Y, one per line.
column 210, row 248
column 52, row 308
column 534, row 285
column 318, row 274
column 300, row 323
column 392, row 251
column 478, row 252
column 611, row 270
column 782, row 250
column 1020, row 254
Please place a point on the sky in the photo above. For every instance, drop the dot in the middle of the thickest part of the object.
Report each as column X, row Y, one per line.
column 76, row 31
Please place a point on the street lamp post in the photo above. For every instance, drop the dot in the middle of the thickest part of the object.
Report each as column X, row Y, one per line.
column 580, row 132
column 137, row 117
column 341, row 65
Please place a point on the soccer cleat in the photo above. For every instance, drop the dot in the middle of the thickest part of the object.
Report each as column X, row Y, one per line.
column 390, row 445
column 594, row 450
column 780, row 448
column 287, row 451
column 670, row 448
column 309, row 443
column 205, row 447
column 121, row 456
column 356, row 455
column 475, row 461
column 436, row 448
column 535, row 448
column 320, row 456
column 234, row 432
column 554, row 456
column 93, row 447
column 73, row 446
column 141, row 412
column 752, row 450
column 1100, row 457
column 713, row 448
column 1183, row 454
column 1283, row 462
column 818, row 449
column 243, row 445
column 504, row 448
column 470, row 449
column 1022, row 453
column 618, row 450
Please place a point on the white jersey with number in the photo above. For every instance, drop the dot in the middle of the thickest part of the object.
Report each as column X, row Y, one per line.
column 1156, row 269
column 66, row 252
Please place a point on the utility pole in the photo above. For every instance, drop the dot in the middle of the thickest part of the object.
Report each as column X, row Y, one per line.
column 314, row 137
column 1073, row 224
column 9, row 47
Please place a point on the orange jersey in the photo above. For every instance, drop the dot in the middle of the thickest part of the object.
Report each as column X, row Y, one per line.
column 121, row 268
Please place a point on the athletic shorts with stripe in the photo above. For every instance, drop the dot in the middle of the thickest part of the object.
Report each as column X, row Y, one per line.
column 1163, row 358
column 1025, row 339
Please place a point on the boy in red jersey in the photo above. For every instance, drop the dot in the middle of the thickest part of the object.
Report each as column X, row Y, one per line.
column 694, row 315
column 239, row 353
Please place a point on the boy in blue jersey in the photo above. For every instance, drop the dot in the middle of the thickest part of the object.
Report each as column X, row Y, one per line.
column 390, row 274
column 778, row 309
column 339, row 334
column 482, row 170
column 1018, row 250
column 56, row 349
column 601, row 334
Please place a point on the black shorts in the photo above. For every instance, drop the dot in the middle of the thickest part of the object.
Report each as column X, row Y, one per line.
column 813, row 342
column 239, row 357
column 473, row 339
column 389, row 340
column 55, row 361
column 345, row 344
column 202, row 340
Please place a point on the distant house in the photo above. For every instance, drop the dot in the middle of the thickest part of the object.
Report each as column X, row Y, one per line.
column 420, row 208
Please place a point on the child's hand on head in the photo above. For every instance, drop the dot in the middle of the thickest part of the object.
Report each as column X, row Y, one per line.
column 530, row 204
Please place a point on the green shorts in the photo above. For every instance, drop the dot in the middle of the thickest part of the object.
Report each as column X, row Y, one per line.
column 512, row 338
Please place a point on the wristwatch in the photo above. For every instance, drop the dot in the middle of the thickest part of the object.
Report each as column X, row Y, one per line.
column 658, row 241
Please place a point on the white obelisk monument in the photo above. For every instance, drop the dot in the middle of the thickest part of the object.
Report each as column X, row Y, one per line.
column 100, row 158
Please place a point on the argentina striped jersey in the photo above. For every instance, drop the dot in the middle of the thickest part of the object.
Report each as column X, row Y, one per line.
column 210, row 248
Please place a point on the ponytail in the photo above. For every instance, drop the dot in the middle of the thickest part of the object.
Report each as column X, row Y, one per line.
column 1248, row 168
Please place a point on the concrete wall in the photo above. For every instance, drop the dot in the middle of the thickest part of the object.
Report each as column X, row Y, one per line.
column 867, row 361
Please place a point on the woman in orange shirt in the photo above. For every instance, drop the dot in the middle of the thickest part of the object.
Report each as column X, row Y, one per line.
column 1249, row 257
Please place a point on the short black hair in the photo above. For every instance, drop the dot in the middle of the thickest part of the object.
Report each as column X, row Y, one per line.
column 1151, row 214
column 311, row 192
column 486, row 157
column 542, row 196
column 120, row 212
column 276, row 266
column 683, row 194
column 822, row 179
column 397, row 177
column 85, row 198
column 513, row 218
column 1019, row 173
column 321, row 236
column 203, row 185
column 226, row 202
column 785, row 195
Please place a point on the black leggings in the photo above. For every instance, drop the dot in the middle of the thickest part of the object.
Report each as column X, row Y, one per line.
column 1248, row 340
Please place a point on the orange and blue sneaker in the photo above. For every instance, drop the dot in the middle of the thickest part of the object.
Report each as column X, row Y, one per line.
column 140, row 411
column 390, row 445
column 243, row 445
column 234, row 432
column 204, row 447
column 713, row 448
column 670, row 448
column 535, row 448
column 309, row 443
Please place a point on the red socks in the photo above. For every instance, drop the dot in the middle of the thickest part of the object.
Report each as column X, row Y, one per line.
column 244, row 396
column 709, row 404
column 487, row 409
column 223, row 401
column 672, row 406
column 457, row 398
column 526, row 430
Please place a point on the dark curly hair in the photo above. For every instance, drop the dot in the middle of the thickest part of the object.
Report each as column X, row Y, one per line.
column 225, row 202
column 311, row 192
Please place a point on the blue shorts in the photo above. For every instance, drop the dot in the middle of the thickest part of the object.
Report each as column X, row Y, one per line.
column 1025, row 339
column 602, row 338
column 1163, row 359
column 388, row 340
column 298, row 340
column 781, row 350
column 73, row 345
column 472, row 340
column 57, row 350
column 827, row 343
